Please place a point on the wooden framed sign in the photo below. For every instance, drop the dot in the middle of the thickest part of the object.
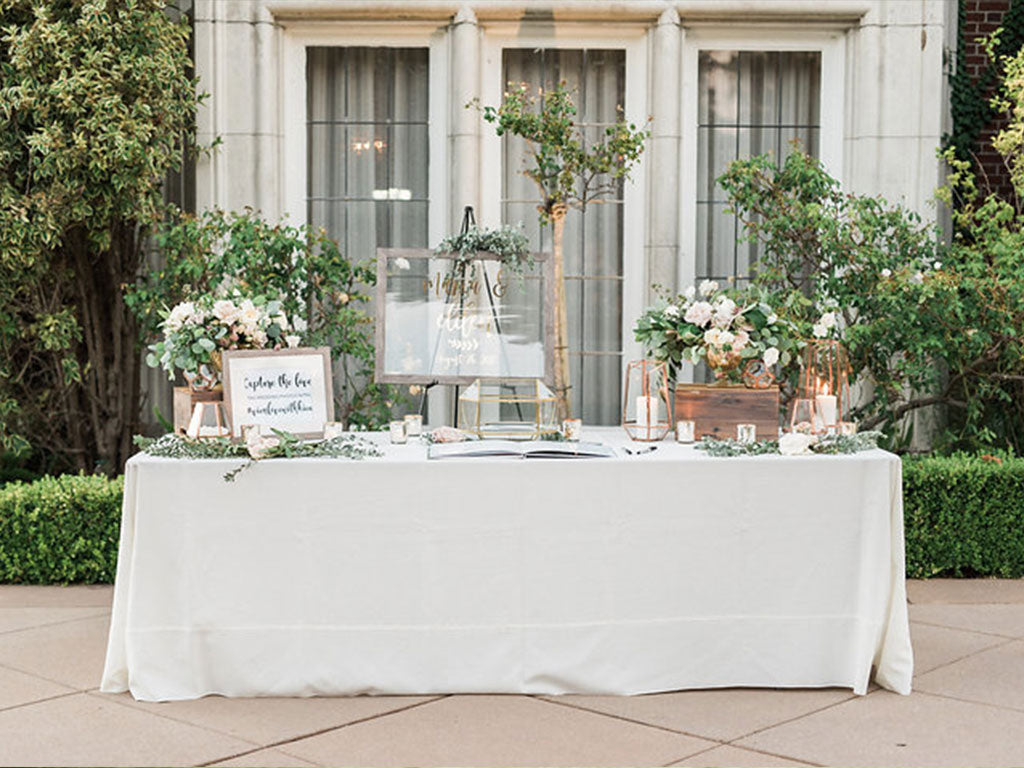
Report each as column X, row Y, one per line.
column 286, row 389
column 445, row 322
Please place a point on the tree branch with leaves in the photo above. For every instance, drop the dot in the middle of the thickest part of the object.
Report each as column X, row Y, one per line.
column 569, row 172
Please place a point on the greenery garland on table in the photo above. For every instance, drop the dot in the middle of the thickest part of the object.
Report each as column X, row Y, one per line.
column 831, row 444
column 282, row 445
column 509, row 244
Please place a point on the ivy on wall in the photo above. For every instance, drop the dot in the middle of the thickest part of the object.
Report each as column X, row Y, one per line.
column 970, row 92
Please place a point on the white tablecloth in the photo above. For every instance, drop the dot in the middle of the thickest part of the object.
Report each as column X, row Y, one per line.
column 658, row 572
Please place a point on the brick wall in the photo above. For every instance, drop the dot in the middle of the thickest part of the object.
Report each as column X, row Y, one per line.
column 981, row 18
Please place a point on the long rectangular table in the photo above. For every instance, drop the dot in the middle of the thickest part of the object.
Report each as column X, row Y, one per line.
column 657, row 572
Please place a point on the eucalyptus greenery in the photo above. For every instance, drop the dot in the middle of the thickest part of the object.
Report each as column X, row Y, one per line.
column 510, row 244
column 288, row 446
column 829, row 444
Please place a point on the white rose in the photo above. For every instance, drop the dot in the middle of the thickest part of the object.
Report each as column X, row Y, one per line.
column 886, row 272
column 741, row 341
column 796, row 444
column 258, row 445
column 725, row 337
column 828, row 320
column 725, row 311
column 402, row 263
column 299, row 324
column 282, row 321
column 937, row 265
column 820, row 330
column 292, row 341
column 771, row 356
column 690, row 292
column 672, row 311
column 708, row 287
column 180, row 315
column 698, row 313
column 259, row 338
column 225, row 310
column 713, row 337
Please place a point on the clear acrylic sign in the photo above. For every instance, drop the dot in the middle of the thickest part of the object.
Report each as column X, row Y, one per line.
column 441, row 320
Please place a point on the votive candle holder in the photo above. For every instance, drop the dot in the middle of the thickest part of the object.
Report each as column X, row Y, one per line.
column 397, row 431
column 686, row 431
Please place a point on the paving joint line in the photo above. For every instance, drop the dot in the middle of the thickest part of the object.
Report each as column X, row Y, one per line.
column 284, row 742
column 851, row 697
column 40, row 701
column 718, row 742
column 6, row 632
column 747, row 749
column 961, row 629
column 115, row 698
column 1006, row 641
column 1003, row 707
column 31, row 673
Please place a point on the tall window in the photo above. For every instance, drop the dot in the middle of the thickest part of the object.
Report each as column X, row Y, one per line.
column 368, row 147
column 749, row 103
column 593, row 238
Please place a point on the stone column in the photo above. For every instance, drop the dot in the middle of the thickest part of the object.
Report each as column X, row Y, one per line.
column 662, row 245
column 464, row 124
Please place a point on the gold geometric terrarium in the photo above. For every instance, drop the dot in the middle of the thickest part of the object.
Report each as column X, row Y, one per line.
column 522, row 410
column 824, row 391
column 646, row 407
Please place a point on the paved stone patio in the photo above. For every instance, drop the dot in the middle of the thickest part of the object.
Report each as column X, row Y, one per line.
column 967, row 708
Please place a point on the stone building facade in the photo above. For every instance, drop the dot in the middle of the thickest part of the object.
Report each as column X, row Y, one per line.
column 351, row 114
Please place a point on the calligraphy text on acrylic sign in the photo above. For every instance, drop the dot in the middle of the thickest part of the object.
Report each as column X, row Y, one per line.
column 275, row 393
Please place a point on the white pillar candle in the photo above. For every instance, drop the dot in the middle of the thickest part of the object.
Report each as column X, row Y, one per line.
column 397, row 430
column 646, row 411
column 827, row 408
column 413, row 424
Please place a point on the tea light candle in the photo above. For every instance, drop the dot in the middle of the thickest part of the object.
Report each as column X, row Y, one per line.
column 572, row 428
column 397, row 430
column 413, row 424
column 746, row 433
column 685, row 431
column 333, row 429
column 646, row 411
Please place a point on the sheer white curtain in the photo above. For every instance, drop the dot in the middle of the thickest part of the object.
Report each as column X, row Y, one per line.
column 593, row 238
column 749, row 103
column 368, row 146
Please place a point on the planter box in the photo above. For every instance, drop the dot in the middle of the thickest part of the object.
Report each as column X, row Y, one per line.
column 185, row 402
column 716, row 410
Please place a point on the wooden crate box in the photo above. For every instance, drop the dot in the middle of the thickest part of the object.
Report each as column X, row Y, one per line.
column 716, row 410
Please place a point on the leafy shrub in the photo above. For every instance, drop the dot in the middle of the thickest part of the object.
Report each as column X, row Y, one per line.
column 96, row 106
column 964, row 516
column 302, row 267
column 60, row 530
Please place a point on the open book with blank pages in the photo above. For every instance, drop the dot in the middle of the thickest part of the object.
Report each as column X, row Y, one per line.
column 534, row 449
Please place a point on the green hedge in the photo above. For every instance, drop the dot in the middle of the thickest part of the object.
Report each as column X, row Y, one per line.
column 964, row 516
column 60, row 530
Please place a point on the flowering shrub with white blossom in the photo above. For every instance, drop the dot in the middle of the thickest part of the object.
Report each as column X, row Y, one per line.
column 726, row 329
column 925, row 323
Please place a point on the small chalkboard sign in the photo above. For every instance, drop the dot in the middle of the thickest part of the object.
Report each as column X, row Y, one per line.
column 448, row 321
column 286, row 389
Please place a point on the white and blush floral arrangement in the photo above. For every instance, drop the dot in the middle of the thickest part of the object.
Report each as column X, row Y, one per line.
column 727, row 329
column 196, row 332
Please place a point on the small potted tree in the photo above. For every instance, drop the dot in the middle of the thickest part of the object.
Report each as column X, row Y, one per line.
column 569, row 173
